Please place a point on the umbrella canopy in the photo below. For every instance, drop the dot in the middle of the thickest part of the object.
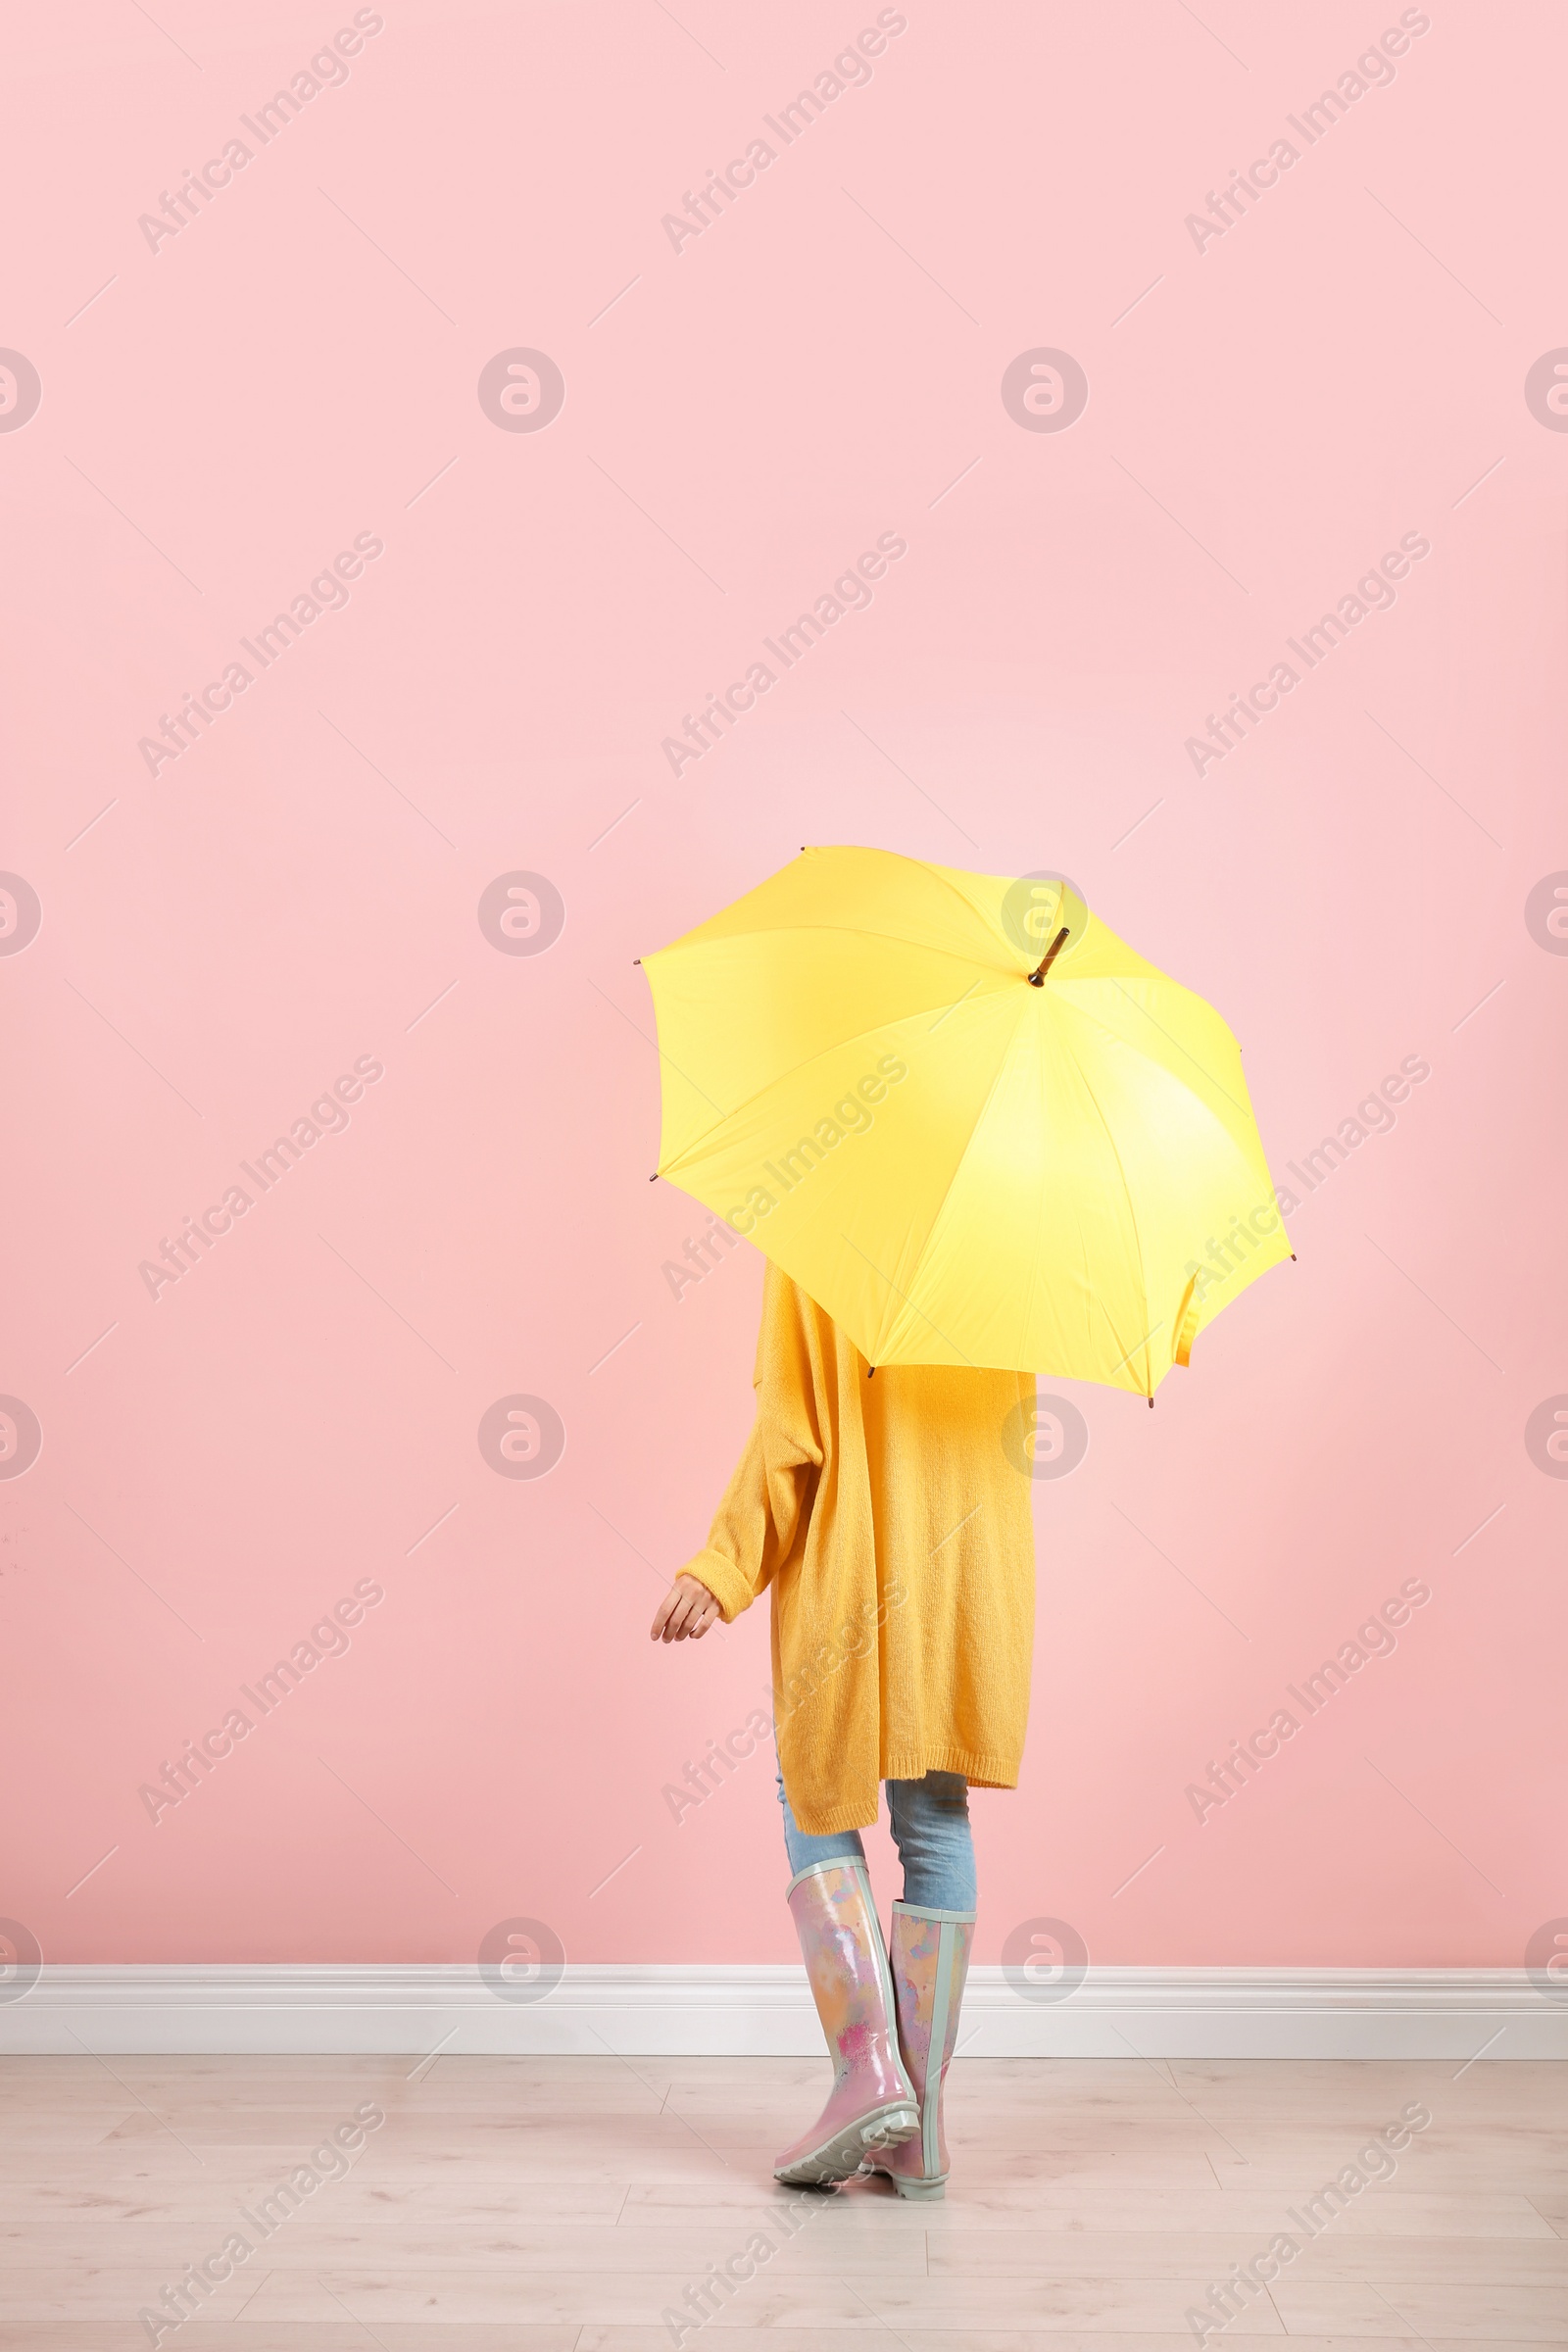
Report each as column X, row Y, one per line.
column 969, row 1121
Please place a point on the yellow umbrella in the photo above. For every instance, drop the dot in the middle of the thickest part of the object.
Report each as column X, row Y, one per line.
column 972, row 1125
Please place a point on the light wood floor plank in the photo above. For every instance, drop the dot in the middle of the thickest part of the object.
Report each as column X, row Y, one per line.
column 1412, row 2307
column 562, row 2205
column 343, row 2336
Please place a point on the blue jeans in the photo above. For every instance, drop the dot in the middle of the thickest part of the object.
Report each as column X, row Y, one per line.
column 930, row 1821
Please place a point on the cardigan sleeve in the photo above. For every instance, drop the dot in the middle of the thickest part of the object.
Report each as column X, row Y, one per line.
column 769, row 1497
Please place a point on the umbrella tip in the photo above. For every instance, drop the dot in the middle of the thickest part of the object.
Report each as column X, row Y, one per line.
column 636, row 960
column 1293, row 1257
column 1151, row 1405
column 1037, row 978
column 653, row 1178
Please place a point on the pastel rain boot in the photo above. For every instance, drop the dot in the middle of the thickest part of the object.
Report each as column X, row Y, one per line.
column 930, row 1960
column 872, row 2103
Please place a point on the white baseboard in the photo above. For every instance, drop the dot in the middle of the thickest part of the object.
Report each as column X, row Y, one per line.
column 406, row 2008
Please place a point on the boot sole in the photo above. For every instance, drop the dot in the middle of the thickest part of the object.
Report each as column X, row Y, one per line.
column 842, row 2156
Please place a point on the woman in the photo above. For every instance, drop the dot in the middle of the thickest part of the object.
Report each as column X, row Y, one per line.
column 886, row 1512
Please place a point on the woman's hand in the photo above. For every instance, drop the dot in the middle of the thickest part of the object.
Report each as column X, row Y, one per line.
column 688, row 1608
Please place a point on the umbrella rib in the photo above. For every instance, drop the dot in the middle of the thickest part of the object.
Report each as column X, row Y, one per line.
column 1241, row 1108
column 1040, row 1193
column 780, row 1077
column 908, row 1300
column 941, row 876
column 958, row 1170
column 946, row 1194
column 653, row 1042
column 1127, row 1194
column 691, row 944
column 1244, row 1109
column 1137, row 1343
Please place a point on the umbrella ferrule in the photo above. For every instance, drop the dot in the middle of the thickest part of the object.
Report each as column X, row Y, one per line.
column 1037, row 978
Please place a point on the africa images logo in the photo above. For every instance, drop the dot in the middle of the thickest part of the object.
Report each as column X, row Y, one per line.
column 1546, row 390
column 521, row 1437
column 522, row 914
column 521, row 390
column 1045, row 391
column 21, row 914
column 19, row 391
column 20, row 1436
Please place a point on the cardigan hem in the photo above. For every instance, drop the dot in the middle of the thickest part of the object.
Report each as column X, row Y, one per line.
column 980, row 1771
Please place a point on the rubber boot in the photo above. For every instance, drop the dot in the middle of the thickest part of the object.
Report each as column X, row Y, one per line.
column 930, row 1960
column 872, row 2103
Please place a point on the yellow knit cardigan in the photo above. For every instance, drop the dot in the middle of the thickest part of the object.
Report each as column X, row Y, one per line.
column 890, row 1514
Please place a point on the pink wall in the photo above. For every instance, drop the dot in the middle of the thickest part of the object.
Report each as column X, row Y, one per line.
column 1270, row 409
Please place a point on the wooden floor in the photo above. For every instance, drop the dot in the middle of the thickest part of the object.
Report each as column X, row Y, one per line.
column 562, row 2204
